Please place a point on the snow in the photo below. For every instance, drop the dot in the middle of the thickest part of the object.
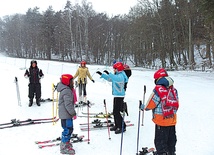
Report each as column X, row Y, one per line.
column 194, row 128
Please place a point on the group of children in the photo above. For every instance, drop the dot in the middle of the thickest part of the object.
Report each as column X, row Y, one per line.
column 164, row 111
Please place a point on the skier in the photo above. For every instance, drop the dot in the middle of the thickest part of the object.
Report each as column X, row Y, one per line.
column 118, row 80
column 67, row 112
column 164, row 104
column 82, row 73
column 34, row 74
column 128, row 72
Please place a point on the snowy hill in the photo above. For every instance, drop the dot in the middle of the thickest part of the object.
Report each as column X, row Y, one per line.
column 194, row 127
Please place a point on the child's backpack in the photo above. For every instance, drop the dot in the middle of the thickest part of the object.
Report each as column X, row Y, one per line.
column 169, row 101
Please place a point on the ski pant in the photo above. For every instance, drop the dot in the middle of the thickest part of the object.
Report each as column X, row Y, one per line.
column 165, row 139
column 67, row 125
column 82, row 89
column 34, row 88
column 117, row 104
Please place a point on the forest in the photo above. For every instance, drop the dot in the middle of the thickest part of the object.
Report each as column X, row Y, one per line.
column 170, row 31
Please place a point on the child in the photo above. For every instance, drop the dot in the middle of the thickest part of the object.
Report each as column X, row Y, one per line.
column 82, row 73
column 34, row 74
column 118, row 80
column 67, row 112
column 164, row 112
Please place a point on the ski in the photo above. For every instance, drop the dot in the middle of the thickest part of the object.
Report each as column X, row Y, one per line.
column 146, row 150
column 100, row 126
column 15, row 121
column 18, row 92
column 82, row 104
column 73, row 140
column 32, row 122
column 101, row 113
column 96, row 121
column 58, row 139
column 97, row 116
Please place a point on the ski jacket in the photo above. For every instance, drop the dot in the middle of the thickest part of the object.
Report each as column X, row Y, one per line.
column 34, row 75
column 154, row 103
column 82, row 73
column 118, row 80
column 66, row 102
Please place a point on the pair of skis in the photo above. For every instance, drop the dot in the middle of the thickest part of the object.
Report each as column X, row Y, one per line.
column 56, row 142
column 17, row 123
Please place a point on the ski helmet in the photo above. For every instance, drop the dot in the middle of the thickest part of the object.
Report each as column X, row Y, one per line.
column 66, row 78
column 160, row 73
column 126, row 66
column 118, row 66
column 33, row 61
column 83, row 62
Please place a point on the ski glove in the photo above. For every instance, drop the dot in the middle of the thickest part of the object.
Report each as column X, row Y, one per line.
column 75, row 117
column 98, row 72
column 142, row 107
column 40, row 73
column 93, row 81
column 106, row 71
column 27, row 74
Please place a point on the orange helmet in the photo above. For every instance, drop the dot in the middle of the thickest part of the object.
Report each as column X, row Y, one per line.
column 160, row 73
column 118, row 66
column 66, row 78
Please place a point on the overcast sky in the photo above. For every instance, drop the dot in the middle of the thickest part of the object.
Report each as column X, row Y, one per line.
column 111, row 7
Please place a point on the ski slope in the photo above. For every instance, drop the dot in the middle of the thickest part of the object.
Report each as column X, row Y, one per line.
column 194, row 128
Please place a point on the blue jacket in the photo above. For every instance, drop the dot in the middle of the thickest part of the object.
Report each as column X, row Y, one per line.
column 118, row 81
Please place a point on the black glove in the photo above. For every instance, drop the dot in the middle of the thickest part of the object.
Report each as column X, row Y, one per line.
column 27, row 73
column 106, row 71
column 98, row 72
column 40, row 73
column 93, row 81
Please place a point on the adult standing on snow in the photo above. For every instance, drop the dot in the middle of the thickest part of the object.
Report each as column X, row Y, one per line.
column 82, row 73
column 34, row 74
column 118, row 80
column 164, row 104
column 67, row 112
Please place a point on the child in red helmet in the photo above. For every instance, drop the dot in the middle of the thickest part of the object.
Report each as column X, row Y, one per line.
column 82, row 73
column 66, row 111
column 118, row 79
column 164, row 112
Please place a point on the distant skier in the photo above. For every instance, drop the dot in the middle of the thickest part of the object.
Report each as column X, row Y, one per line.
column 67, row 113
column 118, row 79
column 82, row 73
column 34, row 74
column 128, row 72
column 164, row 104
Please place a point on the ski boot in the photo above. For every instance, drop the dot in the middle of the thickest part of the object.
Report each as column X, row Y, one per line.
column 67, row 148
column 30, row 102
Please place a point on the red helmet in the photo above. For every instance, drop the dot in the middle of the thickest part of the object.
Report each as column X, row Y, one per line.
column 160, row 73
column 126, row 66
column 83, row 62
column 66, row 78
column 118, row 66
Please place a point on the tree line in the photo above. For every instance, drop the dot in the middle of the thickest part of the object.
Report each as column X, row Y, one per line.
column 165, row 30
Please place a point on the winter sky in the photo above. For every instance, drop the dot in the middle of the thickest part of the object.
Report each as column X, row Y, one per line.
column 111, row 7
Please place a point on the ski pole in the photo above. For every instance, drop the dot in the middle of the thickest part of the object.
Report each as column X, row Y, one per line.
column 88, row 103
column 138, row 131
column 144, row 92
column 53, row 102
column 107, row 119
column 121, row 143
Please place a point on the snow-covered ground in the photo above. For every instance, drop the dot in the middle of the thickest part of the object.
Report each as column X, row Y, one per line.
column 194, row 128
